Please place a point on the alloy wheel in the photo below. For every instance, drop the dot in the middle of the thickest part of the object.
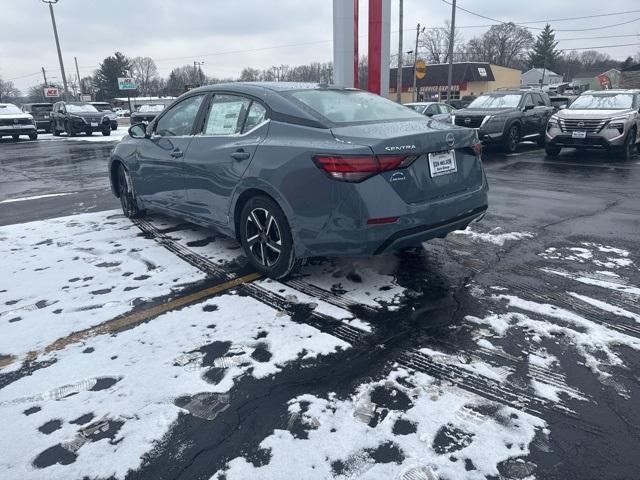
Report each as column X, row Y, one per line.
column 263, row 236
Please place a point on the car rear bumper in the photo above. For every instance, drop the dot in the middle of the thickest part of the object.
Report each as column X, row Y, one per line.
column 43, row 124
column 347, row 232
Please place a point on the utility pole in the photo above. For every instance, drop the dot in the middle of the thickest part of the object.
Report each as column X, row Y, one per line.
column 399, row 69
column 415, row 60
column 55, row 34
column 46, row 84
column 75, row 59
column 451, row 37
column 197, row 68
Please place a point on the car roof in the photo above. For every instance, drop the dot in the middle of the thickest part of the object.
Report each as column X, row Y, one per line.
column 273, row 86
column 421, row 103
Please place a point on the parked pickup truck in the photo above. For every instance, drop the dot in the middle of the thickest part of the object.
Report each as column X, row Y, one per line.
column 506, row 117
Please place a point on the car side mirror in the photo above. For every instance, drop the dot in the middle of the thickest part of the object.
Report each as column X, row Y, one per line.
column 139, row 130
column 429, row 114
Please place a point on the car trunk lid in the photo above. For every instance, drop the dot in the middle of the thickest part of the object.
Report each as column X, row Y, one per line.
column 429, row 176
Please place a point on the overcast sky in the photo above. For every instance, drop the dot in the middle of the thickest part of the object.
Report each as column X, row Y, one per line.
column 231, row 34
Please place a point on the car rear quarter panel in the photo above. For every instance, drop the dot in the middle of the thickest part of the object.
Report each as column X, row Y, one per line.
column 315, row 205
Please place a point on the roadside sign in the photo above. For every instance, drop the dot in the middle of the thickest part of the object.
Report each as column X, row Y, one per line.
column 421, row 69
column 125, row 83
column 85, row 97
column 51, row 92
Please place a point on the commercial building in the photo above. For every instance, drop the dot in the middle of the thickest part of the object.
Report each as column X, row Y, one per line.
column 540, row 76
column 468, row 79
column 597, row 80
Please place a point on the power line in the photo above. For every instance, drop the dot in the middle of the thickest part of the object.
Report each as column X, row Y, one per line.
column 597, row 37
column 540, row 21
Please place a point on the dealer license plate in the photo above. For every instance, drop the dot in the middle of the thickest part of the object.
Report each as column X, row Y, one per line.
column 94, row 124
column 578, row 134
column 442, row 163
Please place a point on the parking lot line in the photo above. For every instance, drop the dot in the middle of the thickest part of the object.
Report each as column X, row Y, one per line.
column 139, row 316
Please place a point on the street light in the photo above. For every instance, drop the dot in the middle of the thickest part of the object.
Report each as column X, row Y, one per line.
column 55, row 33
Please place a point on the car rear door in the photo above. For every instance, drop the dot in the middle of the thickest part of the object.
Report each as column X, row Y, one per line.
column 232, row 129
column 159, row 163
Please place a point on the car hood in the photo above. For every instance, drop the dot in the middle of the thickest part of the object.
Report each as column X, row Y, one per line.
column 16, row 115
column 89, row 115
column 411, row 136
column 576, row 114
column 487, row 111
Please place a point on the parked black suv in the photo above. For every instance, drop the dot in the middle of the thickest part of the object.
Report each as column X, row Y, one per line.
column 507, row 116
column 77, row 117
column 41, row 113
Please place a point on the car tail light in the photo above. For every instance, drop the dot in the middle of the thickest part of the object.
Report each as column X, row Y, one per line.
column 476, row 148
column 356, row 168
column 383, row 220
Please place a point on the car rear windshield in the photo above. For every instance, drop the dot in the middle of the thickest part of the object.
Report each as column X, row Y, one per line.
column 9, row 109
column 508, row 100
column 607, row 101
column 352, row 106
column 41, row 108
column 80, row 108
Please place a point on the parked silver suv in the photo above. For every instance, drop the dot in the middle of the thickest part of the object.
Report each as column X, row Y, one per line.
column 605, row 119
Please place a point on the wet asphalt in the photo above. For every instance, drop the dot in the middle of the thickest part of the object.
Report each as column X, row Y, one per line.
column 578, row 198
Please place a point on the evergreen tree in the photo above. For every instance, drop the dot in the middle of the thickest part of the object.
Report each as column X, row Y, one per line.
column 106, row 77
column 544, row 53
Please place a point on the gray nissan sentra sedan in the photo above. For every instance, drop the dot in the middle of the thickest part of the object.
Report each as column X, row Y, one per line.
column 301, row 170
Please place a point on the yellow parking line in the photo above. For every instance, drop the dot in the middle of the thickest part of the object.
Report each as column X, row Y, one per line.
column 137, row 317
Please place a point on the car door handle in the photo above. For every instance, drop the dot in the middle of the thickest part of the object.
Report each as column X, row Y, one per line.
column 176, row 153
column 240, row 154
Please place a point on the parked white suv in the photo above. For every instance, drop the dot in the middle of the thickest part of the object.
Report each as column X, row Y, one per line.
column 14, row 122
column 604, row 119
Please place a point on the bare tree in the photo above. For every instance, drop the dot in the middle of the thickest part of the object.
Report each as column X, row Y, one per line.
column 505, row 44
column 8, row 91
column 433, row 44
column 145, row 73
column 249, row 74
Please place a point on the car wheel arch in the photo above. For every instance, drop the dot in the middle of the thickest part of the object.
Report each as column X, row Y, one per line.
column 243, row 195
column 113, row 175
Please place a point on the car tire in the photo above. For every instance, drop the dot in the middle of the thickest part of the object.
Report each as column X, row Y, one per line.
column 89, row 133
column 33, row 136
column 15, row 137
column 106, row 131
column 512, row 139
column 69, row 129
column 540, row 141
column 266, row 238
column 127, row 194
column 55, row 131
column 551, row 151
column 629, row 144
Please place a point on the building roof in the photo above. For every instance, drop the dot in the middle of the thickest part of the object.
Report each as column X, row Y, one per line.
column 438, row 74
column 547, row 72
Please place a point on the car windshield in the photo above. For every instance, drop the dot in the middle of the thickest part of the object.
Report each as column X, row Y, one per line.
column 508, row 100
column 151, row 108
column 615, row 101
column 353, row 106
column 102, row 107
column 81, row 108
column 9, row 109
column 417, row 108
column 41, row 108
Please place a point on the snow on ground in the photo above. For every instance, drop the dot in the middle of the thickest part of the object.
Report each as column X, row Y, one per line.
column 406, row 426
column 368, row 280
column 97, row 137
column 495, row 236
column 602, row 256
column 70, row 273
column 130, row 383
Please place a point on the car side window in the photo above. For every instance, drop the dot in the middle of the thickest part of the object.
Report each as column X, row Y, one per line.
column 431, row 110
column 180, row 118
column 539, row 101
column 226, row 115
column 443, row 108
column 255, row 116
column 528, row 102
